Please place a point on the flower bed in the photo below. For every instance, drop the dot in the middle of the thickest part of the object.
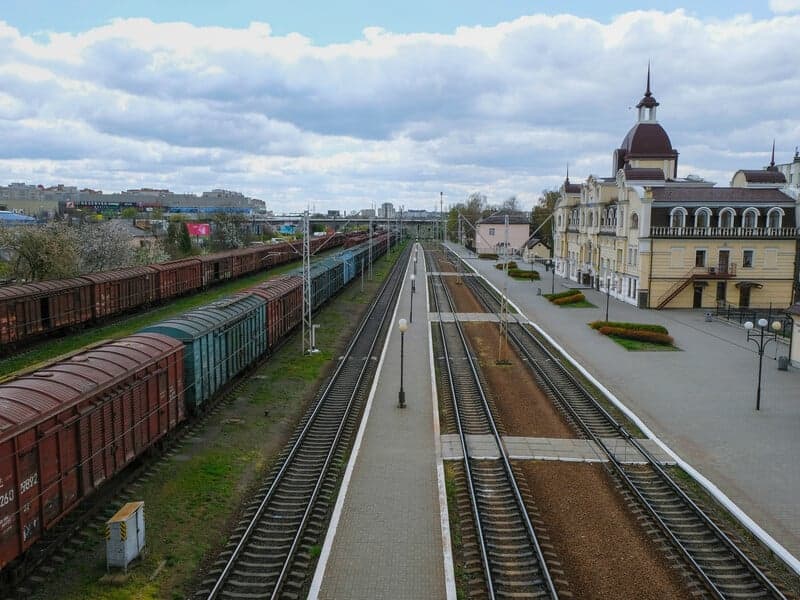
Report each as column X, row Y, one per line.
column 522, row 274
column 573, row 299
column 558, row 295
column 639, row 335
column 487, row 255
column 632, row 326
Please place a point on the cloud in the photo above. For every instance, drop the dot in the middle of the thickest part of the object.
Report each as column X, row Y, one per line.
column 784, row 6
column 388, row 116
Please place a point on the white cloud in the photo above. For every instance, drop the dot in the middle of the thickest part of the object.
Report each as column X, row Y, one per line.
column 784, row 6
column 389, row 116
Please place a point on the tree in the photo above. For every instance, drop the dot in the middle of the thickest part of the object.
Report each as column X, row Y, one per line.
column 544, row 208
column 154, row 252
column 104, row 246
column 229, row 231
column 472, row 211
column 510, row 206
column 184, row 240
column 46, row 252
column 129, row 213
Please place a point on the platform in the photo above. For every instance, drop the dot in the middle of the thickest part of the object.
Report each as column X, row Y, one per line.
column 699, row 401
column 386, row 538
column 447, row 317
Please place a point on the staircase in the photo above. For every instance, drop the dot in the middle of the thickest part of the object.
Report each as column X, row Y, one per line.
column 722, row 271
column 676, row 289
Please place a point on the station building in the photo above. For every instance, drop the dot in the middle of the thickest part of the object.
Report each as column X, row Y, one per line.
column 658, row 241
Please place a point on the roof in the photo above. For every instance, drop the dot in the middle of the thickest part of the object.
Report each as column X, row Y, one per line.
column 641, row 174
column 648, row 140
column 500, row 219
column 763, row 176
column 726, row 195
column 12, row 217
column 572, row 188
column 533, row 241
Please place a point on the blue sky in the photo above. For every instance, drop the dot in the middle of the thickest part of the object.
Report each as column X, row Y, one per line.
column 299, row 104
column 341, row 20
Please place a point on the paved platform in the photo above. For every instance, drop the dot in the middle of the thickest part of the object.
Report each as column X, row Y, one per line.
column 447, row 317
column 699, row 401
column 386, row 536
column 564, row 449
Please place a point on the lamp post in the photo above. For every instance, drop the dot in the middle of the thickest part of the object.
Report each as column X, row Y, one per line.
column 608, row 296
column 761, row 342
column 553, row 269
column 402, row 325
column 415, row 264
column 411, row 307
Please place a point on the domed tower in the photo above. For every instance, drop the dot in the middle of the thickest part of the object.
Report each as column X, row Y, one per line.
column 647, row 145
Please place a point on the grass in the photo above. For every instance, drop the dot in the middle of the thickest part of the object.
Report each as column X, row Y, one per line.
column 641, row 346
column 581, row 304
column 192, row 499
column 57, row 346
column 450, row 485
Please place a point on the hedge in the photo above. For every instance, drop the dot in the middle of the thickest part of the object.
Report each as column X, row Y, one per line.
column 521, row 274
column 633, row 326
column 492, row 256
column 639, row 335
column 552, row 297
column 569, row 299
column 511, row 265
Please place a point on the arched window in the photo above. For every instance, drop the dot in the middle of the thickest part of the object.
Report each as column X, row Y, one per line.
column 677, row 217
column 726, row 216
column 559, row 221
column 702, row 217
column 750, row 217
column 591, row 218
column 774, row 217
column 634, row 221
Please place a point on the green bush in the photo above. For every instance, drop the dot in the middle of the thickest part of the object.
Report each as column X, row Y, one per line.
column 520, row 274
column 511, row 265
column 488, row 255
column 633, row 326
column 638, row 334
column 558, row 295
column 569, row 299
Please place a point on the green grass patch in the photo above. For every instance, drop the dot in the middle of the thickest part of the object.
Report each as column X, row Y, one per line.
column 450, row 485
column 634, row 326
column 557, row 295
column 57, row 346
column 192, row 499
column 579, row 304
column 642, row 346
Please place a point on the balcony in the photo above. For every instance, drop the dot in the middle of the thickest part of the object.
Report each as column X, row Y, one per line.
column 784, row 233
column 720, row 271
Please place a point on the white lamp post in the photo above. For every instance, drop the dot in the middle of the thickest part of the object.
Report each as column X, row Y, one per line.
column 761, row 342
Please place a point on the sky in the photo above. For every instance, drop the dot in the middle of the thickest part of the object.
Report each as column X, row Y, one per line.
column 342, row 105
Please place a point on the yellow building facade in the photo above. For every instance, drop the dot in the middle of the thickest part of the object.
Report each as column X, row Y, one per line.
column 657, row 241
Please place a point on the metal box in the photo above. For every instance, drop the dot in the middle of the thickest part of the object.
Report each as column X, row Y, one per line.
column 125, row 535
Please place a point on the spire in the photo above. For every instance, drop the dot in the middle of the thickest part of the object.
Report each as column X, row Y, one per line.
column 772, row 166
column 566, row 181
column 647, row 92
column 648, row 101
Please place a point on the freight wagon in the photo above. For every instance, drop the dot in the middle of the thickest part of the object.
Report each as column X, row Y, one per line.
column 67, row 428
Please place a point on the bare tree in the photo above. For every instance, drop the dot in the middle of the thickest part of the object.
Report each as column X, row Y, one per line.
column 104, row 246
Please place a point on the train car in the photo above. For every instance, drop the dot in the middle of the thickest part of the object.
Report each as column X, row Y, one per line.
column 178, row 277
column 284, row 298
column 121, row 290
column 35, row 308
column 215, row 339
column 70, row 426
column 348, row 266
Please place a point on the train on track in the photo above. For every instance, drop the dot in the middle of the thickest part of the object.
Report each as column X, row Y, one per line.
column 72, row 425
column 34, row 310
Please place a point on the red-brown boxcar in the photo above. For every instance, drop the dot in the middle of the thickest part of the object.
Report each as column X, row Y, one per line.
column 68, row 427
column 34, row 308
column 178, row 277
column 284, row 296
column 117, row 291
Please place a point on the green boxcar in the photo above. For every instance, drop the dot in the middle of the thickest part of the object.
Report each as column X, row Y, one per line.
column 221, row 339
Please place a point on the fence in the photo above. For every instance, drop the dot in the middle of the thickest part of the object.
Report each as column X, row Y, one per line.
column 730, row 312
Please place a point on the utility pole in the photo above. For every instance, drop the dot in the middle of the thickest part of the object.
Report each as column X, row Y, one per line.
column 308, row 343
column 501, row 360
column 441, row 214
column 369, row 239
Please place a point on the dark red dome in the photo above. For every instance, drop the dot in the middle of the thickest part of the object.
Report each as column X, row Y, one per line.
column 646, row 140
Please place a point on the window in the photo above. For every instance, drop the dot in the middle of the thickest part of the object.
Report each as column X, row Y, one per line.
column 677, row 217
column 726, row 218
column 702, row 217
column 700, row 258
column 491, row 230
column 774, row 217
column 591, row 219
column 634, row 221
column 750, row 218
column 747, row 259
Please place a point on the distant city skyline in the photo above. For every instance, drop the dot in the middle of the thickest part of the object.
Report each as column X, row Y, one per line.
column 302, row 105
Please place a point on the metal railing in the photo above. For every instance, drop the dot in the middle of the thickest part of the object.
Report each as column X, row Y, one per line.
column 736, row 314
column 724, row 232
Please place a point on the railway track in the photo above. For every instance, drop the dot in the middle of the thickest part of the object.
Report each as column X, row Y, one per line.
column 721, row 568
column 270, row 554
column 511, row 555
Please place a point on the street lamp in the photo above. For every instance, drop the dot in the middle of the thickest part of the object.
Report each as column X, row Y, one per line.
column 761, row 342
column 415, row 264
column 552, row 266
column 608, row 296
column 402, row 325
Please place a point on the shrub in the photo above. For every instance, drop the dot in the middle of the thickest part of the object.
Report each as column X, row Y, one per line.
column 512, row 264
column 569, row 299
column 634, row 326
column 557, row 295
column 638, row 334
column 488, row 255
column 520, row 274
